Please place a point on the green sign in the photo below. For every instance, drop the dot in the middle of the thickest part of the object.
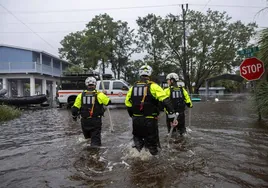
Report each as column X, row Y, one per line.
column 248, row 52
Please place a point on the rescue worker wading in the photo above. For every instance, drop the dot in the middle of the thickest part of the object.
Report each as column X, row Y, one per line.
column 89, row 104
column 142, row 104
column 180, row 98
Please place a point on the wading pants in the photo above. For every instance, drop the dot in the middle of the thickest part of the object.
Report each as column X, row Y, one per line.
column 145, row 133
column 91, row 128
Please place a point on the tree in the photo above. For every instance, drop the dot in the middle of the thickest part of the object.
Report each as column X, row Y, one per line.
column 100, row 34
column 263, row 42
column 103, row 40
column 71, row 47
column 122, row 48
column 131, row 71
column 261, row 94
column 75, row 69
column 150, row 38
column 212, row 44
column 173, row 39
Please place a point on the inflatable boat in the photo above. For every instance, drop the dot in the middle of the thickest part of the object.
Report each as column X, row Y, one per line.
column 22, row 101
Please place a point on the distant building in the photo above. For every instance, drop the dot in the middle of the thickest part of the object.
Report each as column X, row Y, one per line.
column 26, row 71
column 212, row 91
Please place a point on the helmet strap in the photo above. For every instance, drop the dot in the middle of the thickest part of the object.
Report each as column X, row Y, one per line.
column 91, row 88
column 144, row 78
column 173, row 82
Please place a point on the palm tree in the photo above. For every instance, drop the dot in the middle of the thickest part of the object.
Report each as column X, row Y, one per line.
column 261, row 94
column 263, row 42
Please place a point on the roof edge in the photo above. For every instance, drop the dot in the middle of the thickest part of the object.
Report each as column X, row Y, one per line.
column 33, row 50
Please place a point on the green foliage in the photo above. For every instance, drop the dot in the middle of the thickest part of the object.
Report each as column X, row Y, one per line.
column 99, row 40
column 131, row 71
column 212, row 44
column 263, row 42
column 150, row 35
column 103, row 40
column 261, row 94
column 71, row 48
column 8, row 113
column 122, row 49
column 75, row 69
column 261, row 97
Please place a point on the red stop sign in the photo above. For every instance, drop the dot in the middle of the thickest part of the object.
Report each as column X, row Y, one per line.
column 251, row 69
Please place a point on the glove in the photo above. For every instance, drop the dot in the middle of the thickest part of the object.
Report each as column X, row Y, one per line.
column 189, row 105
column 174, row 123
column 75, row 118
column 75, row 111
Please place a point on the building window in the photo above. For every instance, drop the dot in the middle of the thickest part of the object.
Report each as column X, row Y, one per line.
column 217, row 91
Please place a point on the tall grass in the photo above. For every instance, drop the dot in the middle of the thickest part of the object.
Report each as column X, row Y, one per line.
column 8, row 113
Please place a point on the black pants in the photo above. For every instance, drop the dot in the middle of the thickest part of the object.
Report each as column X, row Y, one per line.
column 145, row 134
column 181, row 124
column 91, row 128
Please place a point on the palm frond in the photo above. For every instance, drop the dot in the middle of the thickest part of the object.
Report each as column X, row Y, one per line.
column 261, row 97
column 263, row 43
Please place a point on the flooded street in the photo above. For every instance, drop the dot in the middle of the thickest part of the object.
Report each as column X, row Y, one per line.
column 225, row 147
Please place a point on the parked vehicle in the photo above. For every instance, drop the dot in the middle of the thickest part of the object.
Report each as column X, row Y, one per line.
column 73, row 84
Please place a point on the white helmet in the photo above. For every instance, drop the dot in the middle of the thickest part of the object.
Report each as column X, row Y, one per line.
column 172, row 75
column 90, row 81
column 145, row 70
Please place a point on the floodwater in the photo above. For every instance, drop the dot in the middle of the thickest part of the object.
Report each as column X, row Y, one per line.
column 225, row 147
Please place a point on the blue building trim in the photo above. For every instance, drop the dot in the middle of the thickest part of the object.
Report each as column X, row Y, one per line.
column 22, row 60
column 14, row 55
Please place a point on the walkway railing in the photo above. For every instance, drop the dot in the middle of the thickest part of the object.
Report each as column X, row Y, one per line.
column 28, row 67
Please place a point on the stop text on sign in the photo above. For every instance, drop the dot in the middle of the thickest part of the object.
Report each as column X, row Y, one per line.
column 251, row 68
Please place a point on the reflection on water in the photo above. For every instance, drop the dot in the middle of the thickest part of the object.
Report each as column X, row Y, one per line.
column 225, row 147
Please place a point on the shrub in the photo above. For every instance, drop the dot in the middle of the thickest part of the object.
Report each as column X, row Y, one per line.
column 8, row 112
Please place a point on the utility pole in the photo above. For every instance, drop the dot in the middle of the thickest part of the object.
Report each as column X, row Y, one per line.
column 184, row 12
column 186, row 66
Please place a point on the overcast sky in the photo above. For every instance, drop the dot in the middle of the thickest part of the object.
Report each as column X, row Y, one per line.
column 42, row 24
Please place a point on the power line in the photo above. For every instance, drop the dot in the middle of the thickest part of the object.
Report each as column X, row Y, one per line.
column 57, row 22
column 206, row 5
column 27, row 26
column 228, row 6
column 94, row 9
column 126, row 8
column 22, row 32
